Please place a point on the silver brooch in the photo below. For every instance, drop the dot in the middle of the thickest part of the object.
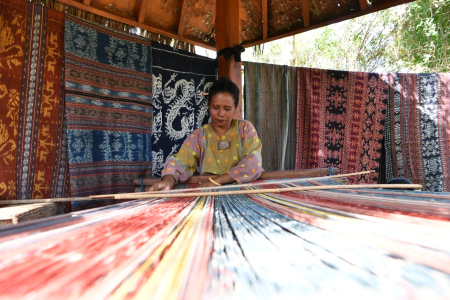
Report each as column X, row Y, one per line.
column 224, row 145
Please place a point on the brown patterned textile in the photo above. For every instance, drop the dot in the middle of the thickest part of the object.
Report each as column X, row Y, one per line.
column 33, row 147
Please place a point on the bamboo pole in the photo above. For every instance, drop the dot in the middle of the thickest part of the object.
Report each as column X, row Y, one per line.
column 263, row 191
column 51, row 200
column 234, row 185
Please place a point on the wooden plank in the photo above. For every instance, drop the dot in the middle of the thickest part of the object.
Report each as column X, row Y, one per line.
column 133, row 22
column 182, row 22
column 142, row 8
column 348, row 16
column 265, row 19
column 87, row 2
column 363, row 4
column 228, row 35
column 21, row 213
column 265, row 175
column 305, row 12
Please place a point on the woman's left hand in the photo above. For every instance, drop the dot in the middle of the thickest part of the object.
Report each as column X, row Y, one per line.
column 207, row 184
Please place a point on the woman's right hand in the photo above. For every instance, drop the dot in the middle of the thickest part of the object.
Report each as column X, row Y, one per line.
column 165, row 184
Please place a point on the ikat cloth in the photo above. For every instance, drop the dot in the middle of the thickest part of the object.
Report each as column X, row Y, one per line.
column 340, row 121
column 417, row 131
column 108, row 106
column 33, row 144
column 271, row 104
column 237, row 153
column 179, row 79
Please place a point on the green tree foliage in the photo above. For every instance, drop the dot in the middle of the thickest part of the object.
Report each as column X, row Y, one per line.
column 407, row 38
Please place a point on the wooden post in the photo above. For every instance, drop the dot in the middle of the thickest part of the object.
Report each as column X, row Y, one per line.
column 228, row 34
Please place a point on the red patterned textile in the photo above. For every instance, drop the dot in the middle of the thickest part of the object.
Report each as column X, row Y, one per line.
column 33, row 147
column 340, row 121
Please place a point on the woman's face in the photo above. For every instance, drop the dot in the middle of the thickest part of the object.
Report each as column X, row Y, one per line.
column 222, row 110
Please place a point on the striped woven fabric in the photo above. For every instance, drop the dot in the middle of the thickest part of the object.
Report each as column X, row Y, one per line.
column 340, row 121
column 417, row 135
column 108, row 108
column 271, row 105
column 33, row 148
column 368, row 244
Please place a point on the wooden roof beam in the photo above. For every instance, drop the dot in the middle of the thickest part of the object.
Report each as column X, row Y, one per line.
column 265, row 19
column 142, row 9
column 133, row 22
column 363, row 4
column 182, row 18
column 354, row 14
column 305, row 12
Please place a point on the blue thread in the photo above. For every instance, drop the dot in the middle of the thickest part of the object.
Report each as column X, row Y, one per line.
column 331, row 172
column 142, row 185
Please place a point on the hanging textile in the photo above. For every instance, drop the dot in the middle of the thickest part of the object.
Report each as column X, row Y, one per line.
column 333, row 244
column 341, row 121
column 33, row 145
column 108, row 108
column 179, row 79
column 417, row 142
column 270, row 104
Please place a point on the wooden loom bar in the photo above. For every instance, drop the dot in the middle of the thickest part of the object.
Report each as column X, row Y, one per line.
column 50, row 200
column 246, row 185
column 228, row 35
column 133, row 22
column 87, row 2
column 142, row 10
column 264, row 191
column 319, row 172
column 305, row 12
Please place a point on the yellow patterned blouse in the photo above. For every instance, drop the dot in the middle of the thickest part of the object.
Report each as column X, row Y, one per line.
column 237, row 153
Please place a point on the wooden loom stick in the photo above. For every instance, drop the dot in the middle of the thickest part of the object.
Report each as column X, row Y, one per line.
column 263, row 191
column 235, row 185
column 301, row 173
column 51, row 200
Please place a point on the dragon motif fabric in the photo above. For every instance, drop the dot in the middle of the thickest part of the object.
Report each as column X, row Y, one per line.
column 340, row 121
column 179, row 79
column 417, row 131
column 108, row 107
column 33, row 147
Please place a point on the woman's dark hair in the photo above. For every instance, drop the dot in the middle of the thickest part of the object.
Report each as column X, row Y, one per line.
column 224, row 85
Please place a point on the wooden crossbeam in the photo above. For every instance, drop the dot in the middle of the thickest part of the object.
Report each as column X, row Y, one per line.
column 305, row 12
column 142, row 9
column 363, row 4
column 265, row 19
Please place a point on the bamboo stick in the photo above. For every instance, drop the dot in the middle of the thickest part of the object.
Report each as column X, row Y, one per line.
column 302, row 173
column 234, row 185
column 54, row 200
column 261, row 191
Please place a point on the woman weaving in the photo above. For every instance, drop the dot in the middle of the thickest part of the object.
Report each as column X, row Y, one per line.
column 227, row 149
